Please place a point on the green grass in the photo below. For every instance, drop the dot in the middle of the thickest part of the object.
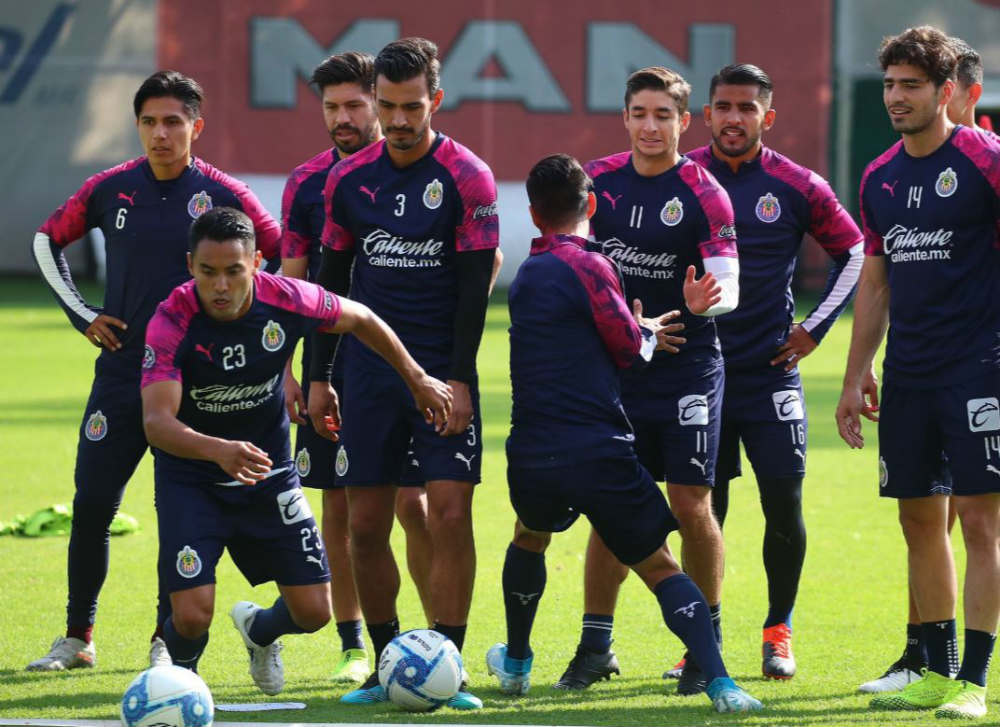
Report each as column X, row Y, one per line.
column 848, row 622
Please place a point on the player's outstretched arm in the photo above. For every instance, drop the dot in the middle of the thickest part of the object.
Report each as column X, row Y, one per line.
column 433, row 397
column 871, row 319
column 161, row 401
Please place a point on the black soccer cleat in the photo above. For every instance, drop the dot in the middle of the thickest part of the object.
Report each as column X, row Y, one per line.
column 587, row 667
column 692, row 680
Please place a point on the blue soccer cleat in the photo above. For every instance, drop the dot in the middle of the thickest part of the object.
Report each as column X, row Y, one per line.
column 727, row 697
column 514, row 674
column 371, row 692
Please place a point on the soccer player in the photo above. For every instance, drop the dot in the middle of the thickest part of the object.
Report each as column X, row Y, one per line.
column 346, row 86
column 416, row 216
column 214, row 412
column 570, row 449
column 929, row 208
column 144, row 208
column 662, row 217
column 776, row 202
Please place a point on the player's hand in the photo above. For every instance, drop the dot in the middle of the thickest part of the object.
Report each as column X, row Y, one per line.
column 295, row 402
column 434, row 399
column 244, row 462
column 799, row 345
column 869, row 392
column 101, row 332
column 324, row 410
column 701, row 294
column 461, row 409
column 661, row 327
column 849, row 410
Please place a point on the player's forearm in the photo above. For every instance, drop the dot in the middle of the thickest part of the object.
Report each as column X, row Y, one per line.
column 295, row 267
column 168, row 433
column 840, row 288
column 871, row 319
column 55, row 272
column 475, row 271
column 727, row 274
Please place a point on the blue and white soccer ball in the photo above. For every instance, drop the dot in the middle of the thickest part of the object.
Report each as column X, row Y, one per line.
column 420, row 670
column 167, row 696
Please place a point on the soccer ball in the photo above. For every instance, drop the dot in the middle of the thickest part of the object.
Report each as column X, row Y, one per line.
column 167, row 696
column 420, row 670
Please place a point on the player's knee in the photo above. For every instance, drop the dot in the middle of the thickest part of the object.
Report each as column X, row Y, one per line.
column 979, row 529
column 411, row 509
column 366, row 539
column 313, row 616
column 693, row 509
column 919, row 523
column 93, row 512
column 450, row 518
column 532, row 541
column 191, row 620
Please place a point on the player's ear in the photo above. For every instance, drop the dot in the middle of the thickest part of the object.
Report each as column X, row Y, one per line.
column 625, row 116
column 975, row 93
column 190, row 262
column 198, row 125
column 706, row 112
column 685, row 121
column 436, row 100
column 258, row 256
column 946, row 92
column 769, row 117
column 591, row 204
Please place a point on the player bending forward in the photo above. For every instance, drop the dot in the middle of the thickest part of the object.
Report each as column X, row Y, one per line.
column 214, row 412
column 570, row 449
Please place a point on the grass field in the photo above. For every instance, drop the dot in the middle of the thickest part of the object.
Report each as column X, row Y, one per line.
column 849, row 622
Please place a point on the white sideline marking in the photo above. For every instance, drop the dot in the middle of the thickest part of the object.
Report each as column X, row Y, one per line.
column 117, row 723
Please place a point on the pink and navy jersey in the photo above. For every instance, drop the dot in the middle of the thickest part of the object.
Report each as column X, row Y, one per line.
column 145, row 224
column 654, row 228
column 776, row 202
column 934, row 220
column 571, row 332
column 405, row 227
column 302, row 214
column 231, row 372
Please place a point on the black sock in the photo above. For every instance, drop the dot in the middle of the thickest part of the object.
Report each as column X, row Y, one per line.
column 976, row 660
column 686, row 614
column 715, row 612
column 942, row 646
column 350, row 635
column 523, row 585
column 455, row 633
column 184, row 652
column 381, row 635
column 596, row 632
column 87, row 559
column 784, row 544
column 720, row 500
column 270, row 623
column 916, row 649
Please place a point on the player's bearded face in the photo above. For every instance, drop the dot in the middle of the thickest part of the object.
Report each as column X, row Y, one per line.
column 349, row 113
column 911, row 98
column 654, row 124
column 737, row 118
column 223, row 274
column 166, row 132
column 405, row 110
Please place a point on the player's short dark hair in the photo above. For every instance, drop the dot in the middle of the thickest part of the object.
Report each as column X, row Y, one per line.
column 925, row 47
column 969, row 64
column 349, row 67
column 658, row 78
column 558, row 190
column 407, row 58
column 173, row 84
column 220, row 224
column 743, row 74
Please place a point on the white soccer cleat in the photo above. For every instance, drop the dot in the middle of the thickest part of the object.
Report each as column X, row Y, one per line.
column 66, row 652
column 158, row 654
column 514, row 674
column 265, row 661
column 895, row 678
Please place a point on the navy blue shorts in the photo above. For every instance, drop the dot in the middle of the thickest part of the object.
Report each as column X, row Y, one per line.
column 680, row 446
column 315, row 458
column 768, row 414
column 383, row 436
column 268, row 528
column 943, row 441
column 112, row 440
column 617, row 495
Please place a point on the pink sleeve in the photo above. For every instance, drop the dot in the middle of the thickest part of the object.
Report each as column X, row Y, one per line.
column 984, row 151
column 596, row 167
column 335, row 235
column 480, row 227
column 873, row 240
column 293, row 244
column 69, row 223
column 298, row 296
column 164, row 334
column 720, row 240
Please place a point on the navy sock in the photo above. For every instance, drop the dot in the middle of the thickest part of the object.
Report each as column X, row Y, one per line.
column 716, row 614
column 455, row 633
column 270, row 623
column 916, row 649
column 88, row 555
column 523, row 585
column 976, row 660
column 350, row 635
column 596, row 633
column 184, row 652
column 686, row 614
column 381, row 634
column 942, row 646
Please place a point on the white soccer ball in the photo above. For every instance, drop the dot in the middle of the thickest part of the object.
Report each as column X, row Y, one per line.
column 167, row 696
column 420, row 670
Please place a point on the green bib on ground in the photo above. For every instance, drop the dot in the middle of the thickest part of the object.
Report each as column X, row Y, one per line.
column 58, row 520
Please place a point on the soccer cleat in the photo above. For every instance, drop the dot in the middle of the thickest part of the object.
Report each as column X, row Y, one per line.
column 158, row 654
column 930, row 691
column 778, row 661
column 353, row 666
column 514, row 674
column 66, row 652
column 727, row 697
column 265, row 661
column 674, row 672
column 371, row 692
column 465, row 700
column 692, row 679
column 587, row 667
column 968, row 703
column 897, row 676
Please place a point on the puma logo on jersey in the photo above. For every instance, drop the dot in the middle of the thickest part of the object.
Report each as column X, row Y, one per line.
column 131, row 200
column 370, row 193
column 524, row 598
column 467, row 460
column 699, row 465
column 892, row 189
column 612, row 200
column 207, row 351
column 687, row 610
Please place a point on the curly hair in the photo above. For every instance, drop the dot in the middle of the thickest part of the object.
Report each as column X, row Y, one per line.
column 925, row 47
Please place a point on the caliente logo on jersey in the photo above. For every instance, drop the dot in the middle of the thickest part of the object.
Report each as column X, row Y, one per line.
column 188, row 562
column 273, row 337
column 97, row 427
column 433, row 194
column 199, row 204
column 293, row 506
column 768, row 208
column 984, row 414
column 672, row 212
column 787, row 405
column 692, row 410
column 947, row 183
